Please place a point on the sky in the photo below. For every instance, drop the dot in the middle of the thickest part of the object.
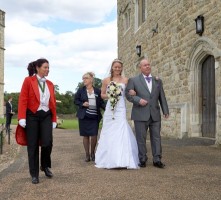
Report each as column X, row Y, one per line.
column 75, row 36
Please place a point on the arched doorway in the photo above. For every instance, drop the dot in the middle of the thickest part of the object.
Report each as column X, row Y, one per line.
column 204, row 66
column 208, row 97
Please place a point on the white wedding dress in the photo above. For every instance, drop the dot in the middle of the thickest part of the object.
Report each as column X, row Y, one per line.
column 117, row 146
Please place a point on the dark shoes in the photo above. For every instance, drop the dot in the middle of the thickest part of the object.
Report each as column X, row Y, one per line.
column 158, row 164
column 87, row 159
column 93, row 157
column 90, row 157
column 47, row 172
column 142, row 164
column 35, row 180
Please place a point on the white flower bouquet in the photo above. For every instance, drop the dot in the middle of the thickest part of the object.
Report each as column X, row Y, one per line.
column 113, row 93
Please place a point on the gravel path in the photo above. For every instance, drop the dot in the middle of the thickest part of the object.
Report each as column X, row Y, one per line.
column 193, row 171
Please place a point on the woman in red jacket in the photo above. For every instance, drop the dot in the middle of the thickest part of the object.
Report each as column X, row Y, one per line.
column 37, row 114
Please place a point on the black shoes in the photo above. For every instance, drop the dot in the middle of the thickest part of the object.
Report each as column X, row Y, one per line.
column 158, row 164
column 35, row 180
column 87, row 159
column 93, row 157
column 142, row 164
column 47, row 172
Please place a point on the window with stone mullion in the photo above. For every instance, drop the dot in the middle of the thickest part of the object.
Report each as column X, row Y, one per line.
column 141, row 11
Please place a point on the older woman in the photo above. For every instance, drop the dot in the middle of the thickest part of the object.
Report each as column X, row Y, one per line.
column 89, row 101
column 37, row 114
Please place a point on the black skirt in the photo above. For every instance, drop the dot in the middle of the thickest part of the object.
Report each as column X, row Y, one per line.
column 88, row 126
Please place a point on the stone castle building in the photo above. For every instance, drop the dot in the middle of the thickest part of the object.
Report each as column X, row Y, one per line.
column 186, row 55
column 2, row 27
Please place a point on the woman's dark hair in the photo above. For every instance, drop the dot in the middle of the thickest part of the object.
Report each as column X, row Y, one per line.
column 32, row 66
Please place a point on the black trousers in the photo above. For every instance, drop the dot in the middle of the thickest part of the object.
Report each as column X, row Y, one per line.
column 8, row 121
column 39, row 130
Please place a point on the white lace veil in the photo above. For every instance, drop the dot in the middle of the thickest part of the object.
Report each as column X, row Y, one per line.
column 108, row 72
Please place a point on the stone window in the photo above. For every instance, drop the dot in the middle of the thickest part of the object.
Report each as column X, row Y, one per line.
column 127, row 20
column 140, row 12
column 2, row 18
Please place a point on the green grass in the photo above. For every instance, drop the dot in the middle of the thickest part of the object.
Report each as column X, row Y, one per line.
column 2, row 121
column 14, row 121
column 72, row 124
column 67, row 123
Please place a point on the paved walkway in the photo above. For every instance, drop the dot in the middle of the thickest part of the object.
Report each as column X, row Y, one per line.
column 193, row 172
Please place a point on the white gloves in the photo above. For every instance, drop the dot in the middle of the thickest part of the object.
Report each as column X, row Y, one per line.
column 54, row 124
column 22, row 123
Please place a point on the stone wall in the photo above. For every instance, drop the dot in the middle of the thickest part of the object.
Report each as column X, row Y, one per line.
column 2, row 26
column 176, row 53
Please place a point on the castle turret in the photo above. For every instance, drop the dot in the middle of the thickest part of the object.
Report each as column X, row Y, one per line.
column 2, row 38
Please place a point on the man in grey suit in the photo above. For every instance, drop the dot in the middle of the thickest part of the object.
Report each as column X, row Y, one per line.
column 147, row 99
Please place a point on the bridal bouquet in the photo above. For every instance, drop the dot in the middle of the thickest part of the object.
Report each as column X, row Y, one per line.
column 113, row 93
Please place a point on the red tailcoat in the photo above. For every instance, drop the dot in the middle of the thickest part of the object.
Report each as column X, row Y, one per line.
column 29, row 98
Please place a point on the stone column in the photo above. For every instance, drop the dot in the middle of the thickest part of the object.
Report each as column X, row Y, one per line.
column 2, row 27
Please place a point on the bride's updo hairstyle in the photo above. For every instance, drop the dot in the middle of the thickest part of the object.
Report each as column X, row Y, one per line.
column 111, row 71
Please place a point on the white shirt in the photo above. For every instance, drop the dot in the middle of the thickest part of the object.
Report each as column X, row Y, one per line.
column 149, row 84
column 91, row 100
column 44, row 97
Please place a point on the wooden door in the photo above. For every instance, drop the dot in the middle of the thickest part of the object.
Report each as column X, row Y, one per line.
column 208, row 98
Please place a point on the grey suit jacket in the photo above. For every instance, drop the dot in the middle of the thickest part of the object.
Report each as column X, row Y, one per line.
column 155, row 99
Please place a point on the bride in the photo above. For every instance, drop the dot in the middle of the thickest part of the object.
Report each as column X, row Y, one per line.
column 117, row 146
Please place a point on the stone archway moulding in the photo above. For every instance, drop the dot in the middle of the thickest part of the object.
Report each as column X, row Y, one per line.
column 200, row 50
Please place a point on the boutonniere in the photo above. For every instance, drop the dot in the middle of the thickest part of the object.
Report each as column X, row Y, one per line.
column 157, row 79
column 96, row 95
